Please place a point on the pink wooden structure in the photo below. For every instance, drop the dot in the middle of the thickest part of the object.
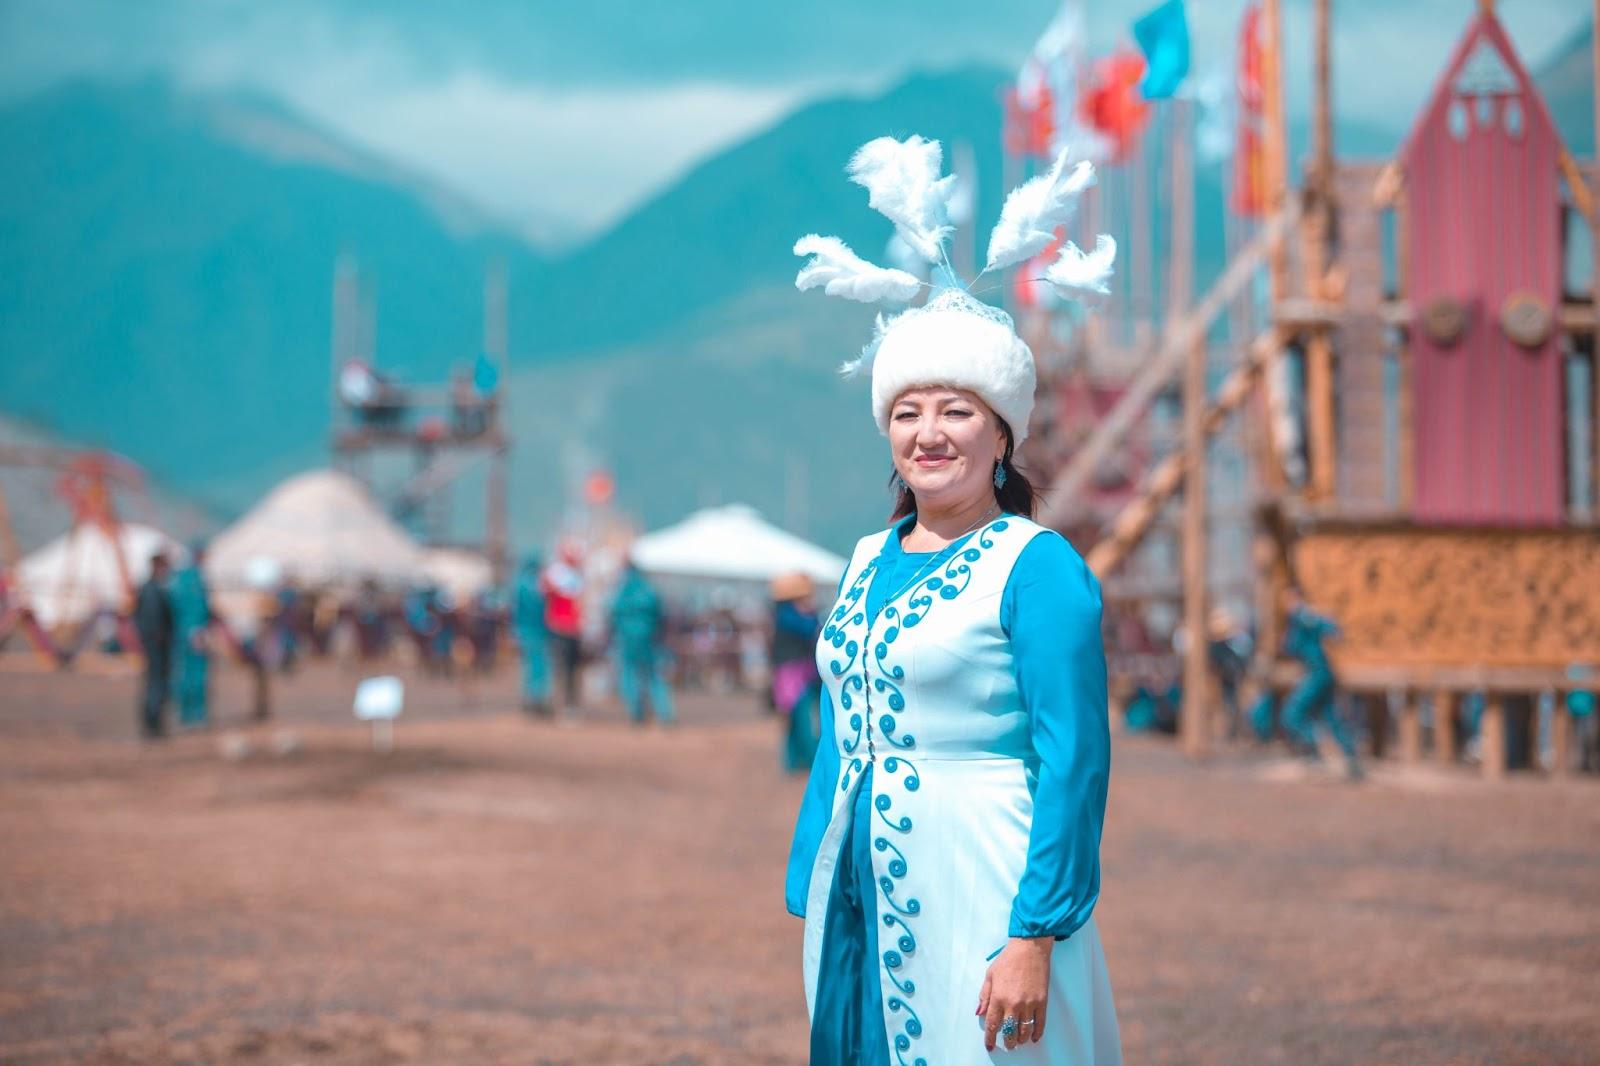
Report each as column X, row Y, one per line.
column 1483, row 229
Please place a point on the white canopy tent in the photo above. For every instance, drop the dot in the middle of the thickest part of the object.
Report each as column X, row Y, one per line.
column 320, row 527
column 76, row 574
column 733, row 543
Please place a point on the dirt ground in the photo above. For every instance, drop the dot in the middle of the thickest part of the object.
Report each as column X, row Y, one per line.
column 496, row 890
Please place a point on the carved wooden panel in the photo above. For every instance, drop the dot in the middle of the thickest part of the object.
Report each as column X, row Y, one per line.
column 1468, row 597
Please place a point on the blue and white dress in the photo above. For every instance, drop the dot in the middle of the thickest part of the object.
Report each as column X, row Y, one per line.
column 956, row 800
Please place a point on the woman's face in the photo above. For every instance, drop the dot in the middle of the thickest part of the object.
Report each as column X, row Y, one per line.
column 945, row 443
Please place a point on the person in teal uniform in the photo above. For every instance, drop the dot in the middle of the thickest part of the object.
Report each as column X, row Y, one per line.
column 527, row 617
column 1581, row 705
column 637, row 625
column 191, row 615
column 945, row 857
column 1316, row 696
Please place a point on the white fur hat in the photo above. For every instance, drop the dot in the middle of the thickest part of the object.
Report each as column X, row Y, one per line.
column 955, row 339
column 959, row 341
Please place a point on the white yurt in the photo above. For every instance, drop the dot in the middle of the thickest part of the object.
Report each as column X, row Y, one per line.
column 71, row 577
column 733, row 543
column 318, row 528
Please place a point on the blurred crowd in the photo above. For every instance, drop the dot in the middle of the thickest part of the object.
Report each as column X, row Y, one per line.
column 578, row 626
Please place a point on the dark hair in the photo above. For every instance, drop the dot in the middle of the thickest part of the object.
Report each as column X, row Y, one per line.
column 1016, row 496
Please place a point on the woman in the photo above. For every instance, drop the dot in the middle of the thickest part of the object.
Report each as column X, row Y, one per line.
column 946, row 855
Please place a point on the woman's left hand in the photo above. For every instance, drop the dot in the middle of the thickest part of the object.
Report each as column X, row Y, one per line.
column 1016, row 986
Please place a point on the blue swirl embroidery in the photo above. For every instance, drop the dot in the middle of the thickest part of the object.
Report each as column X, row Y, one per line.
column 849, row 634
column 847, row 615
column 913, row 1029
column 943, row 586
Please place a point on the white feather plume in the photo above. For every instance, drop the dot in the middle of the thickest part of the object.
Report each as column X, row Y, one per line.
column 841, row 272
column 1078, row 273
column 862, row 364
column 1034, row 210
column 903, row 183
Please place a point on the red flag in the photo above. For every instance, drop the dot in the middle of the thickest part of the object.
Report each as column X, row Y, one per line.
column 1112, row 102
column 1030, row 128
column 1249, row 197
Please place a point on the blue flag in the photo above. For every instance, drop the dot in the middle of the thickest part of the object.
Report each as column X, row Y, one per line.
column 485, row 375
column 1163, row 36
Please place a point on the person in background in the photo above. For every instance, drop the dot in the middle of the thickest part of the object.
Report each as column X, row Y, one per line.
column 152, row 617
column 1228, row 648
column 562, row 585
column 636, row 630
column 1316, row 695
column 287, row 624
column 488, row 622
column 371, row 622
column 1581, row 705
column 527, row 616
column 796, row 684
column 191, row 609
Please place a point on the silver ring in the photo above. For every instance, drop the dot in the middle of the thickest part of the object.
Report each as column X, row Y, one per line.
column 1027, row 1023
column 1008, row 1027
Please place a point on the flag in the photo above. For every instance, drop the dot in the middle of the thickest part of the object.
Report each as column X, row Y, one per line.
column 1111, row 103
column 485, row 375
column 1249, row 194
column 1163, row 36
column 1043, row 110
column 1029, row 128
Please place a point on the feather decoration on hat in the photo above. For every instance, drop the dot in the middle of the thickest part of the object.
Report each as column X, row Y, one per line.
column 1077, row 273
column 862, row 363
column 1034, row 210
column 903, row 183
column 841, row 272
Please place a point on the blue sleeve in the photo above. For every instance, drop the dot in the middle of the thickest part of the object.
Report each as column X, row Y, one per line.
column 815, row 811
column 1051, row 612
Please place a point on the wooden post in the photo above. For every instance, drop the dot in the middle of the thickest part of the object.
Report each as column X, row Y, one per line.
column 1492, row 736
column 1319, row 347
column 1273, row 146
column 1410, row 729
column 1319, row 414
column 1445, row 704
column 1196, row 671
column 1560, row 737
column 496, row 343
column 1594, row 288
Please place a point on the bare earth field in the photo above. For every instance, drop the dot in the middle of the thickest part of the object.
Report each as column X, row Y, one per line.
column 501, row 891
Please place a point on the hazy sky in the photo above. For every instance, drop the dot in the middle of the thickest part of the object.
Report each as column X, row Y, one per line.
column 573, row 111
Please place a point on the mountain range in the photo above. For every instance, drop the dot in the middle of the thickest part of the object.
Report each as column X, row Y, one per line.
column 166, row 263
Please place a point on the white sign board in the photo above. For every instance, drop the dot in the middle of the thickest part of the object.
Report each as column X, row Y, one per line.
column 379, row 698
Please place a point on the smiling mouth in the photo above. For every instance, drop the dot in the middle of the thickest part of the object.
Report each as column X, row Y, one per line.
column 933, row 460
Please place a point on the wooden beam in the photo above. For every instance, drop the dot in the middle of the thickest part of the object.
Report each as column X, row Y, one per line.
column 1057, row 503
column 1193, row 728
column 1390, row 183
column 1319, row 415
column 1303, row 314
column 1410, row 729
column 1445, row 706
column 1594, row 284
column 1135, row 520
column 1582, row 198
column 1560, row 738
column 1492, row 737
column 1275, row 137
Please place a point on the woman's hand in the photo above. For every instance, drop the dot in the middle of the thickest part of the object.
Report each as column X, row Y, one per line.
column 1016, row 986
